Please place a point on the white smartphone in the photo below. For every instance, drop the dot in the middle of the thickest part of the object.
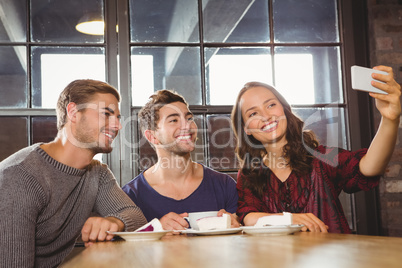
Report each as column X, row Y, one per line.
column 361, row 79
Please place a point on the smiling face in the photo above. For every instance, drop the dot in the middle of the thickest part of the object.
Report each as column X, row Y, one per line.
column 176, row 130
column 97, row 123
column 263, row 116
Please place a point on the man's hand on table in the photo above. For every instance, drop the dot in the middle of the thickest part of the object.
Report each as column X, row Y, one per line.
column 95, row 229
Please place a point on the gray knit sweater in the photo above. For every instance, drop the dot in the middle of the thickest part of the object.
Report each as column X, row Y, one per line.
column 44, row 204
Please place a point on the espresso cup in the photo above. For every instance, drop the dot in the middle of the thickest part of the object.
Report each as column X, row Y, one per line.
column 194, row 216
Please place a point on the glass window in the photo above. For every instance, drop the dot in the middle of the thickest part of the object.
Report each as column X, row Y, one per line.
column 307, row 21
column 306, row 75
column 327, row 123
column 221, row 142
column 164, row 21
column 315, row 74
column 235, row 21
column 55, row 67
column 228, row 69
column 13, row 135
column 13, row 77
column 44, row 129
column 13, row 21
column 347, row 205
column 56, row 21
column 176, row 68
column 198, row 154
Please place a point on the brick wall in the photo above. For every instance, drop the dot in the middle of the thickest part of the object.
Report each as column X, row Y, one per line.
column 385, row 46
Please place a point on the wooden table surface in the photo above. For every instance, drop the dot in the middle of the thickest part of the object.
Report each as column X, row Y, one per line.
column 302, row 249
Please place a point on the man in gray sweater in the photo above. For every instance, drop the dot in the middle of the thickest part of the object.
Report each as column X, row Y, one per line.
column 48, row 191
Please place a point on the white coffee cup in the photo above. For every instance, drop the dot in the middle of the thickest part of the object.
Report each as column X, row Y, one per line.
column 194, row 216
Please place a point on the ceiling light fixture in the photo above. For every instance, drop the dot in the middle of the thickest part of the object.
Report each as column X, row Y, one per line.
column 92, row 24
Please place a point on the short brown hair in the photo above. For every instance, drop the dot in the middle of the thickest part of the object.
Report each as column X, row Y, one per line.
column 148, row 116
column 80, row 91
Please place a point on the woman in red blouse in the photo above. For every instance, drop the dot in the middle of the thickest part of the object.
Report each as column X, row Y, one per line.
column 283, row 167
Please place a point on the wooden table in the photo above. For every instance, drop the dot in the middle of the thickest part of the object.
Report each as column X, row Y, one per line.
column 303, row 249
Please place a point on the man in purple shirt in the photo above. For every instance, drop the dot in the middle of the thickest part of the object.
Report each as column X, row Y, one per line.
column 176, row 185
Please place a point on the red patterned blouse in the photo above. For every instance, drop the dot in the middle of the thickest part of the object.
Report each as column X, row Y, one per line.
column 334, row 170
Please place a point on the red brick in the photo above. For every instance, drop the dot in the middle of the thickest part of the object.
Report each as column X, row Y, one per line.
column 392, row 28
column 384, row 43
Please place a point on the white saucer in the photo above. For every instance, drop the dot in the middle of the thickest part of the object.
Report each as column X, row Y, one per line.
column 141, row 236
column 211, row 232
column 272, row 230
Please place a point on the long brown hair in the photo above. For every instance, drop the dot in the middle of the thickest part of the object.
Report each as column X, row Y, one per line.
column 249, row 149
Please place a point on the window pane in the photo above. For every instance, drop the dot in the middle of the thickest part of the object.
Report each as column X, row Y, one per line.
column 13, row 21
column 18, row 139
column 56, row 21
column 164, row 21
column 347, row 205
column 235, row 21
column 305, row 21
column 13, row 77
column 44, row 129
column 55, row 67
column 309, row 75
column 327, row 123
column 221, row 142
column 176, row 68
column 148, row 157
column 228, row 69
column 198, row 154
